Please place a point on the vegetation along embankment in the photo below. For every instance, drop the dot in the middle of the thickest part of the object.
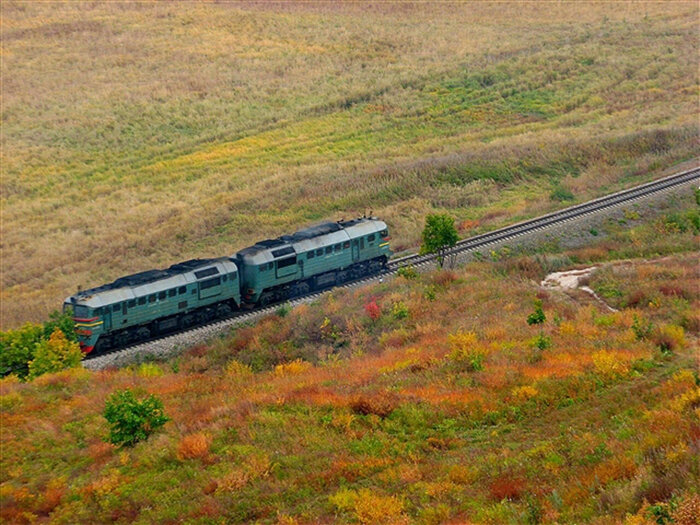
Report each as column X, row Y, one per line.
column 138, row 135
column 464, row 395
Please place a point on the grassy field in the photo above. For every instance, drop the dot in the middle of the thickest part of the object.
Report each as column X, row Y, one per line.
column 425, row 400
column 135, row 135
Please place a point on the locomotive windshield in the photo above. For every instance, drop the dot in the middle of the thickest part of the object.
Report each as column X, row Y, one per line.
column 79, row 311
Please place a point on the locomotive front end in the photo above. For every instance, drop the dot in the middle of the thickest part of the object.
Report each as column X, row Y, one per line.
column 88, row 325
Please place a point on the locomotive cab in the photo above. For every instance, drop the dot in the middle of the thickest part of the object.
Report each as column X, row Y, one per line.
column 88, row 324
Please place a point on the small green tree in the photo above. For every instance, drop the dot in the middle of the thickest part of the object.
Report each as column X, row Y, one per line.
column 132, row 420
column 64, row 322
column 54, row 354
column 537, row 317
column 17, row 349
column 439, row 235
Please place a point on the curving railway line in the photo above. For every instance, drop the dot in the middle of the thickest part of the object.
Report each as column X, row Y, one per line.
column 163, row 346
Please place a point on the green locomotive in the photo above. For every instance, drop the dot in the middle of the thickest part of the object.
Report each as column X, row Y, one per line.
column 141, row 306
column 312, row 259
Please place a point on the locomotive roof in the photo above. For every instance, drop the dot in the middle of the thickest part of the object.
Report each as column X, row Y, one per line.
column 309, row 238
column 139, row 284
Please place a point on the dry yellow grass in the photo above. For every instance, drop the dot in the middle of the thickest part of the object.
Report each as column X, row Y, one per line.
column 136, row 135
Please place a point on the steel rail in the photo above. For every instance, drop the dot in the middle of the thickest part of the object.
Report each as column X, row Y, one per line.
column 465, row 245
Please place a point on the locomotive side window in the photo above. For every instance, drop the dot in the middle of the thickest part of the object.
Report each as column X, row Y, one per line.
column 337, row 247
column 384, row 233
column 182, row 290
column 286, row 262
column 152, row 298
column 319, row 252
column 329, row 249
column 362, row 243
column 346, row 245
column 210, row 283
column 132, row 303
column 116, row 307
column 172, row 293
column 142, row 300
column 161, row 296
column 310, row 255
column 98, row 311
column 370, row 238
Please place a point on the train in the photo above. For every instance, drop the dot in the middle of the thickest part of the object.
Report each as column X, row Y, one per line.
column 145, row 305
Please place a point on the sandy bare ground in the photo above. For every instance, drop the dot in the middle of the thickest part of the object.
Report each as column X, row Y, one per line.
column 570, row 279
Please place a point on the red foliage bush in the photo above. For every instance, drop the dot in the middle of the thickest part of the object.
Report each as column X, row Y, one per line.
column 197, row 351
column 372, row 310
column 444, row 278
column 507, row 487
column 637, row 298
column 381, row 404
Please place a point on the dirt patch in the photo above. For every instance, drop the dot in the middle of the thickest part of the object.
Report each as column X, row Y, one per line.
column 571, row 280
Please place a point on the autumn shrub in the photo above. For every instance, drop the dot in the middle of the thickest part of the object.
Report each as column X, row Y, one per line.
column 642, row 328
column 292, row 368
column 369, row 507
column 19, row 347
column 132, row 420
column 193, row 446
column 444, row 278
column 507, row 487
column 150, row 370
column 687, row 510
column 55, row 354
column 235, row 368
column 407, row 272
column 669, row 338
column 399, row 310
column 373, row 310
column 465, row 353
column 523, row 393
column 609, row 364
column 381, row 404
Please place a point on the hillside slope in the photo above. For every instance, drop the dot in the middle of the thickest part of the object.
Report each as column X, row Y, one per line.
column 134, row 135
column 422, row 400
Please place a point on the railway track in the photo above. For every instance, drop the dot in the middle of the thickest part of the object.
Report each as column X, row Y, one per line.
column 164, row 345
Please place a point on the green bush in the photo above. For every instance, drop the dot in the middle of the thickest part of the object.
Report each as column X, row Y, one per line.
column 561, row 194
column 18, row 347
column 537, row 317
column 55, row 354
column 399, row 310
column 408, row 272
column 132, row 420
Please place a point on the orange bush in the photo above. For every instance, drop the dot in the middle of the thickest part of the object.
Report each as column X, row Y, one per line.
column 507, row 487
column 381, row 404
column 193, row 446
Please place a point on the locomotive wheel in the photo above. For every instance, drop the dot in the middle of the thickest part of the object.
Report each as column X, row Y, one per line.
column 223, row 310
column 121, row 339
column 143, row 333
column 300, row 289
column 265, row 299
